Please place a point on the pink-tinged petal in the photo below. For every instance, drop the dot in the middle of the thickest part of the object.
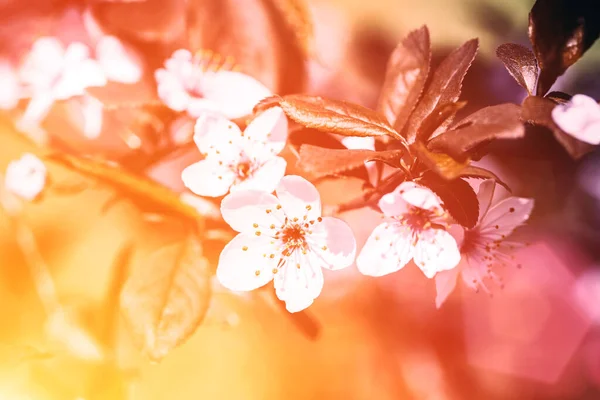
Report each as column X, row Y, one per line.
column 502, row 219
column 458, row 233
column 76, row 52
column 171, row 91
column 419, row 196
column 472, row 273
column 43, row 63
column 333, row 243
column 93, row 111
column 485, row 196
column 445, row 283
column 388, row 249
column 77, row 77
column 591, row 133
column 217, row 136
column 393, row 204
column 11, row 91
column 435, row 251
column 199, row 106
column 576, row 115
column 242, row 265
column 359, row 143
column 120, row 64
column 236, row 93
column 26, row 177
column 207, row 178
column 37, row 109
column 299, row 282
column 270, row 128
column 251, row 211
column 265, row 178
column 299, row 198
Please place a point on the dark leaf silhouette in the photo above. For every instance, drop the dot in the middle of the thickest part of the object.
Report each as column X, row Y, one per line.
column 445, row 86
column 322, row 162
column 561, row 31
column 458, row 197
column 496, row 122
column 440, row 163
column 405, row 78
column 166, row 300
column 267, row 39
column 558, row 97
column 481, row 173
column 520, row 63
column 538, row 111
column 439, row 117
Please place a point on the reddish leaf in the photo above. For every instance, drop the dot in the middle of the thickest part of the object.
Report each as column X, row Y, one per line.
column 268, row 39
column 336, row 116
column 482, row 173
column 445, row 86
column 558, row 97
column 405, row 78
column 322, row 162
column 561, row 31
column 438, row 118
column 520, row 63
column 440, row 163
column 538, row 111
column 458, row 197
column 496, row 122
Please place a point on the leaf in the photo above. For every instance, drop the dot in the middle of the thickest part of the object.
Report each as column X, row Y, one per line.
column 335, row 116
column 558, row 97
column 407, row 71
column 322, row 161
column 267, row 39
column 561, row 31
column 436, row 120
column 480, row 173
column 538, row 111
column 520, row 63
column 458, row 197
column 502, row 121
column 440, row 163
column 166, row 300
column 445, row 86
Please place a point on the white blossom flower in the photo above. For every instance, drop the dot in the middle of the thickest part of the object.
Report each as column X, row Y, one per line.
column 580, row 117
column 485, row 246
column 26, row 177
column 285, row 239
column 9, row 82
column 119, row 62
column 194, row 84
column 238, row 160
column 413, row 230
column 50, row 72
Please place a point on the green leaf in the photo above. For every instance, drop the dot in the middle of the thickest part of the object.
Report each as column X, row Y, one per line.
column 166, row 299
column 520, row 63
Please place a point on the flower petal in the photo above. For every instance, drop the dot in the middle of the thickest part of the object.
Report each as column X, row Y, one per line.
column 208, row 178
column 245, row 208
column 435, row 251
column 576, row 116
column 270, row 128
column 359, row 143
column 242, row 264
column 93, row 112
column 393, row 204
column 387, row 250
column 502, row 219
column 419, row 196
column 265, row 178
column 236, row 93
column 171, row 90
column 119, row 63
column 11, row 91
column 445, row 282
column 26, row 177
column 485, row 195
column 333, row 242
column 43, row 63
column 217, row 136
column 299, row 198
column 299, row 282
column 198, row 106
column 37, row 109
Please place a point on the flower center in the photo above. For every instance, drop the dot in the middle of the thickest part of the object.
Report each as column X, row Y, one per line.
column 418, row 219
column 292, row 236
column 243, row 170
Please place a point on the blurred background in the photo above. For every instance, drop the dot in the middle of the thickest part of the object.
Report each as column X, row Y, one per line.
column 538, row 337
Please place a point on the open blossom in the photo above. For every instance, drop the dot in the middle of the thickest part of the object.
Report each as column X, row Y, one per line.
column 486, row 245
column 238, row 160
column 193, row 84
column 579, row 117
column 11, row 91
column 119, row 62
column 285, row 239
column 52, row 72
column 26, row 177
column 412, row 230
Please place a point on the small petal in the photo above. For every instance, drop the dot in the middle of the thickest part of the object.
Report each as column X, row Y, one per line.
column 26, row 177
column 215, row 135
column 299, row 198
column 435, row 251
column 393, row 204
column 43, row 63
column 579, row 117
column 120, row 64
column 269, row 127
column 198, row 106
column 445, row 283
column 359, row 143
column 242, row 264
column 300, row 284
column 37, row 109
column 236, row 93
column 485, row 196
column 333, row 242
column 11, row 91
column 265, row 178
column 502, row 219
column 171, row 90
column 208, row 178
column 419, row 196
column 249, row 210
column 387, row 250
column 93, row 112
